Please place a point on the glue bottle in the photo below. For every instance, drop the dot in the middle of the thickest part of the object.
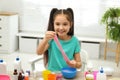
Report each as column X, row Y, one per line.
column 26, row 76
column 3, row 68
column 15, row 75
column 101, row 75
column 20, row 77
column 17, row 64
column 89, row 73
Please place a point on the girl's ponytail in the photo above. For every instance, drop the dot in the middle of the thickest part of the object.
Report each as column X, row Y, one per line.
column 71, row 32
column 50, row 23
column 70, row 10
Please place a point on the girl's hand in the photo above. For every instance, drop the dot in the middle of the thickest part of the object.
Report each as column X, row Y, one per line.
column 49, row 35
column 72, row 63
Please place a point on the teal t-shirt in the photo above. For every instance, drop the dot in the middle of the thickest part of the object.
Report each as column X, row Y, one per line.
column 55, row 59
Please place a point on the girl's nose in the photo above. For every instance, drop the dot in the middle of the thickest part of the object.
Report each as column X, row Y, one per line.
column 60, row 27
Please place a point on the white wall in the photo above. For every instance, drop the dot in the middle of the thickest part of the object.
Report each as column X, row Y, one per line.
column 34, row 20
column 11, row 5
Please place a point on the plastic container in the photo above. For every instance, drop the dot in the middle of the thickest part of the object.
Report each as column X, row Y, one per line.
column 95, row 74
column 101, row 75
column 17, row 65
column 3, row 68
column 51, row 76
column 45, row 74
column 89, row 77
column 59, row 76
column 4, row 77
column 69, row 72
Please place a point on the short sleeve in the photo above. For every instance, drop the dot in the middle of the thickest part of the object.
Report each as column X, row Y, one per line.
column 78, row 47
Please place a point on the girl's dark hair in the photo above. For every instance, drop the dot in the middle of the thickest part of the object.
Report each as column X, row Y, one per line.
column 70, row 17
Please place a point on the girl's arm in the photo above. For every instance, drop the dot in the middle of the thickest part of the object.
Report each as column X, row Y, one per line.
column 76, row 63
column 43, row 46
column 78, row 60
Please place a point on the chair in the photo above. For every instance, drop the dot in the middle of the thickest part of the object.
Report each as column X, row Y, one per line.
column 84, row 59
column 83, row 54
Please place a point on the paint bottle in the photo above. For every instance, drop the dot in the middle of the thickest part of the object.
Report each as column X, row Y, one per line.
column 17, row 64
column 3, row 68
column 20, row 77
column 45, row 74
column 15, row 75
column 59, row 77
column 26, row 76
column 101, row 75
column 52, row 76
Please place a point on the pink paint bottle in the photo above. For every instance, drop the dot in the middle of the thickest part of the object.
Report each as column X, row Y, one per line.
column 59, row 77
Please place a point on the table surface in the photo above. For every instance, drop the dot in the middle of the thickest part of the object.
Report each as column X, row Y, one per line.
column 80, row 76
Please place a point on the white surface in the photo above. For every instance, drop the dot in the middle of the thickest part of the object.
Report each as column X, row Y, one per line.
column 41, row 35
column 31, row 34
column 28, row 45
column 92, row 49
column 109, row 71
column 8, row 31
column 92, row 39
column 97, row 63
column 41, row 79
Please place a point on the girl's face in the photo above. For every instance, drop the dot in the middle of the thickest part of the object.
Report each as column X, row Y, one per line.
column 61, row 25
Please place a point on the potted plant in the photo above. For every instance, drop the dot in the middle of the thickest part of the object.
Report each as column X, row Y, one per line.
column 111, row 18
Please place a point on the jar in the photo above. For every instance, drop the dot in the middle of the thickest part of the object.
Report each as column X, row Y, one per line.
column 89, row 77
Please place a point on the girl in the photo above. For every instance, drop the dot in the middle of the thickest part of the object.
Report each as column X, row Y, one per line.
column 61, row 23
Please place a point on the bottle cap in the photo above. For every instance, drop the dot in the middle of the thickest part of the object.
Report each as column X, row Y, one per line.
column 1, row 61
column 101, row 70
column 15, row 72
column 17, row 59
column 26, row 74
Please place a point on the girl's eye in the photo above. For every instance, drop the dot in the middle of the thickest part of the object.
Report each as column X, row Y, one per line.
column 65, row 24
column 57, row 24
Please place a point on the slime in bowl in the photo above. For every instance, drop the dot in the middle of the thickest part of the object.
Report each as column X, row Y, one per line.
column 68, row 72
